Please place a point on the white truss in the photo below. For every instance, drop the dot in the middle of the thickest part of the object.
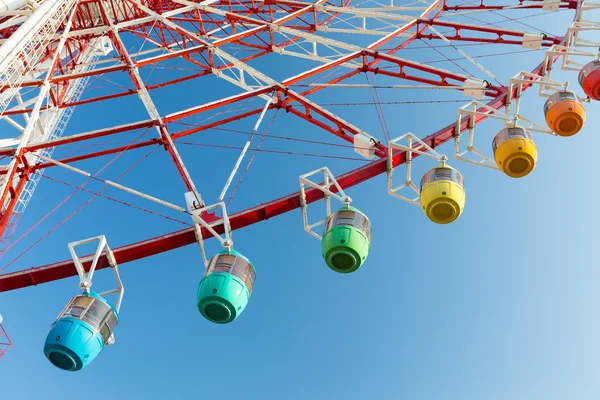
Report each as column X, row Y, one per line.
column 328, row 183
column 197, row 210
column 22, row 51
column 469, row 152
column 56, row 121
column 331, row 44
column 241, row 72
column 85, row 278
column 576, row 47
column 149, row 105
column 244, row 150
column 41, row 25
column 413, row 146
column 546, row 88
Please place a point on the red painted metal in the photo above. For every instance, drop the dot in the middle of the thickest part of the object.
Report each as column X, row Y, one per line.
column 15, row 183
column 5, row 341
column 494, row 35
column 251, row 216
column 287, row 100
column 572, row 4
column 19, row 174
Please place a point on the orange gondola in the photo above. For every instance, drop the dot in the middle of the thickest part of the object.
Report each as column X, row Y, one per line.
column 565, row 114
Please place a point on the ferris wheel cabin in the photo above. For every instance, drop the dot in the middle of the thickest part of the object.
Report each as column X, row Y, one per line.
column 514, row 151
column 346, row 240
column 225, row 289
column 81, row 331
column 565, row 114
column 442, row 194
column 589, row 79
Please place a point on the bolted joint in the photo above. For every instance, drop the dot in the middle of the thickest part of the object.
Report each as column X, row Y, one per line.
column 228, row 244
column 85, row 284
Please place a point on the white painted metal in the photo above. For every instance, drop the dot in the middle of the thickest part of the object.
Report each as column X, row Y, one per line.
column 313, row 56
column 276, row 28
column 36, row 129
column 356, row 30
column 364, row 12
column 20, row 53
column 309, row 55
column 102, row 46
column 413, row 145
column 192, row 203
column 475, row 88
column 474, row 109
column 55, row 120
column 576, row 46
column 244, row 68
column 463, row 53
column 551, row 5
column 85, row 278
column 101, row 30
column 244, row 150
column 547, row 87
column 568, row 63
column 149, row 105
column 16, row 20
column 364, row 146
column 113, row 184
column 329, row 181
column 199, row 223
column 12, row 5
column 451, row 13
column 533, row 41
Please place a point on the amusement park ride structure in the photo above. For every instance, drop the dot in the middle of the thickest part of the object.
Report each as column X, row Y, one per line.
column 50, row 49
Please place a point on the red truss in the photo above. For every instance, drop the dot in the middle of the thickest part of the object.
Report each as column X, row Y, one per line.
column 251, row 25
column 5, row 342
column 533, row 4
column 146, row 248
column 482, row 34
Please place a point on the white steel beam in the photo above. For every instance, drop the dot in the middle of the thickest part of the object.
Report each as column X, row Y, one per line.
column 114, row 184
column 259, row 76
column 149, row 105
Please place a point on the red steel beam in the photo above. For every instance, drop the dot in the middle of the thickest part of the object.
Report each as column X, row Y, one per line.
column 500, row 33
column 5, row 341
column 149, row 247
column 146, row 248
column 482, row 6
column 9, row 189
column 335, row 126
column 184, row 237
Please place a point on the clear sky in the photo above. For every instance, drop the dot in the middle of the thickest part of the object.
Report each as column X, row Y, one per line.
column 499, row 305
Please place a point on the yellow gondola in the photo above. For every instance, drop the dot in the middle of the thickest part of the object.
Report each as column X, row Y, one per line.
column 442, row 194
column 514, row 151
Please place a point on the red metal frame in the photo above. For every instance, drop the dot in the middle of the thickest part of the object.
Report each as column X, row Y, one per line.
column 146, row 248
column 5, row 341
column 497, row 35
column 294, row 103
column 564, row 4
column 19, row 175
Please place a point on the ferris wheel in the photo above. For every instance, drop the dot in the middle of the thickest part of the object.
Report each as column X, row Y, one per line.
column 133, row 68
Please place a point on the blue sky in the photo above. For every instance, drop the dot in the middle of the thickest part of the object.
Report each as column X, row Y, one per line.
column 501, row 304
